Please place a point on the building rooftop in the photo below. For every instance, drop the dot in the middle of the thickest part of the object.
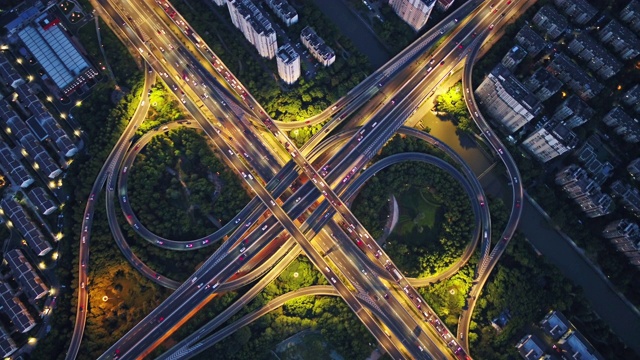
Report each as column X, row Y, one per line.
column 27, row 277
column 555, row 324
column 54, row 51
column 530, row 347
column 287, row 54
column 38, row 196
column 316, row 42
column 13, row 167
column 8, row 73
column 620, row 32
column 7, row 345
column 578, row 347
column 21, row 220
column 15, row 309
column 516, row 89
column 530, row 40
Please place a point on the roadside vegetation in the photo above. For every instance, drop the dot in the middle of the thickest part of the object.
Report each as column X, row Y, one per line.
column 435, row 221
column 308, row 96
column 180, row 190
column 340, row 329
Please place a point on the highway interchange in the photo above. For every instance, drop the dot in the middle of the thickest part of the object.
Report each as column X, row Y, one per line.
column 280, row 221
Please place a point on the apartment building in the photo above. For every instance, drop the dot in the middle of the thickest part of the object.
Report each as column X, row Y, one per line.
column 573, row 111
column 624, row 42
column 22, row 222
column 284, row 11
column 255, row 27
column 634, row 168
column 530, row 347
column 593, row 160
column 414, row 12
column 632, row 96
column 514, row 57
column 578, row 11
column 543, row 84
column 316, row 46
column 25, row 274
column 288, row 62
column 444, row 5
column 584, row 191
column 631, row 15
column 623, row 234
column 506, row 100
column 550, row 141
column 529, row 39
column 623, row 124
column 628, row 195
column 550, row 21
column 596, row 57
column 15, row 309
column 574, row 77
column 13, row 168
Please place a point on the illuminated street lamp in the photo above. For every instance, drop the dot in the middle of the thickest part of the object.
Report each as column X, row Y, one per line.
column 55, row 255
column 32, row 341
column 42, row 265
column 50, row 98
column 19, row 60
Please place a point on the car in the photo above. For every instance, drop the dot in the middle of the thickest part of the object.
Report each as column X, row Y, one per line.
column 360, row 138
column 87, row 218
column 244, row 175
column 345, row 179
column 84, row 239
column 481, row 203
column 83, row 263
column 205, row 241
column 441, row 62
column 333, row 280
column 161, row 318
column 460, row 46
column 500, row 151
column 246, row 240
column 237, row 221
column 515, row 179
column 82, row 285
column 393, row 102
column 456, row 20
column 298, row 199
column 273, row 203
column 92, row 197
column 124, row 198
column 377, row 254
column 242, row 257
column 386, row 295
column 157, row 276
column 518, row 203
column 248, row 224
column 188, row 246
column 81, row 308
column 242, row 249
column 264, row 228
column 364, row 271
column 495, row 11
column 491, row 27
column 159, row 242
column 200, row 285
column 509, row 2
column 503, row 14
column 474, row 34
column 327, row 268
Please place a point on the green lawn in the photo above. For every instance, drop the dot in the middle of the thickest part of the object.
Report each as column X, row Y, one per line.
column 311, row 347
column 419, row 217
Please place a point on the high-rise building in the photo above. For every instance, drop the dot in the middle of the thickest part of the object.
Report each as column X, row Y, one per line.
column 255, row 27
column 507, row 100
column 444, row 5
column 550, row 141
column 584, row 191
column 288, row 64
column 514, row 57
column 321, row 51
column 284, row 11
column 543, row 84
column 634, row 168
column 573, row 111
column 414, row 12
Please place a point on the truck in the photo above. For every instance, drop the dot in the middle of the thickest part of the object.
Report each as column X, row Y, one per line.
column 396, row 274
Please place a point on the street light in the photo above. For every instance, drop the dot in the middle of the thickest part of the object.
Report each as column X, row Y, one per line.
column 50, row 98
column 42, row 265
column 32, row 341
